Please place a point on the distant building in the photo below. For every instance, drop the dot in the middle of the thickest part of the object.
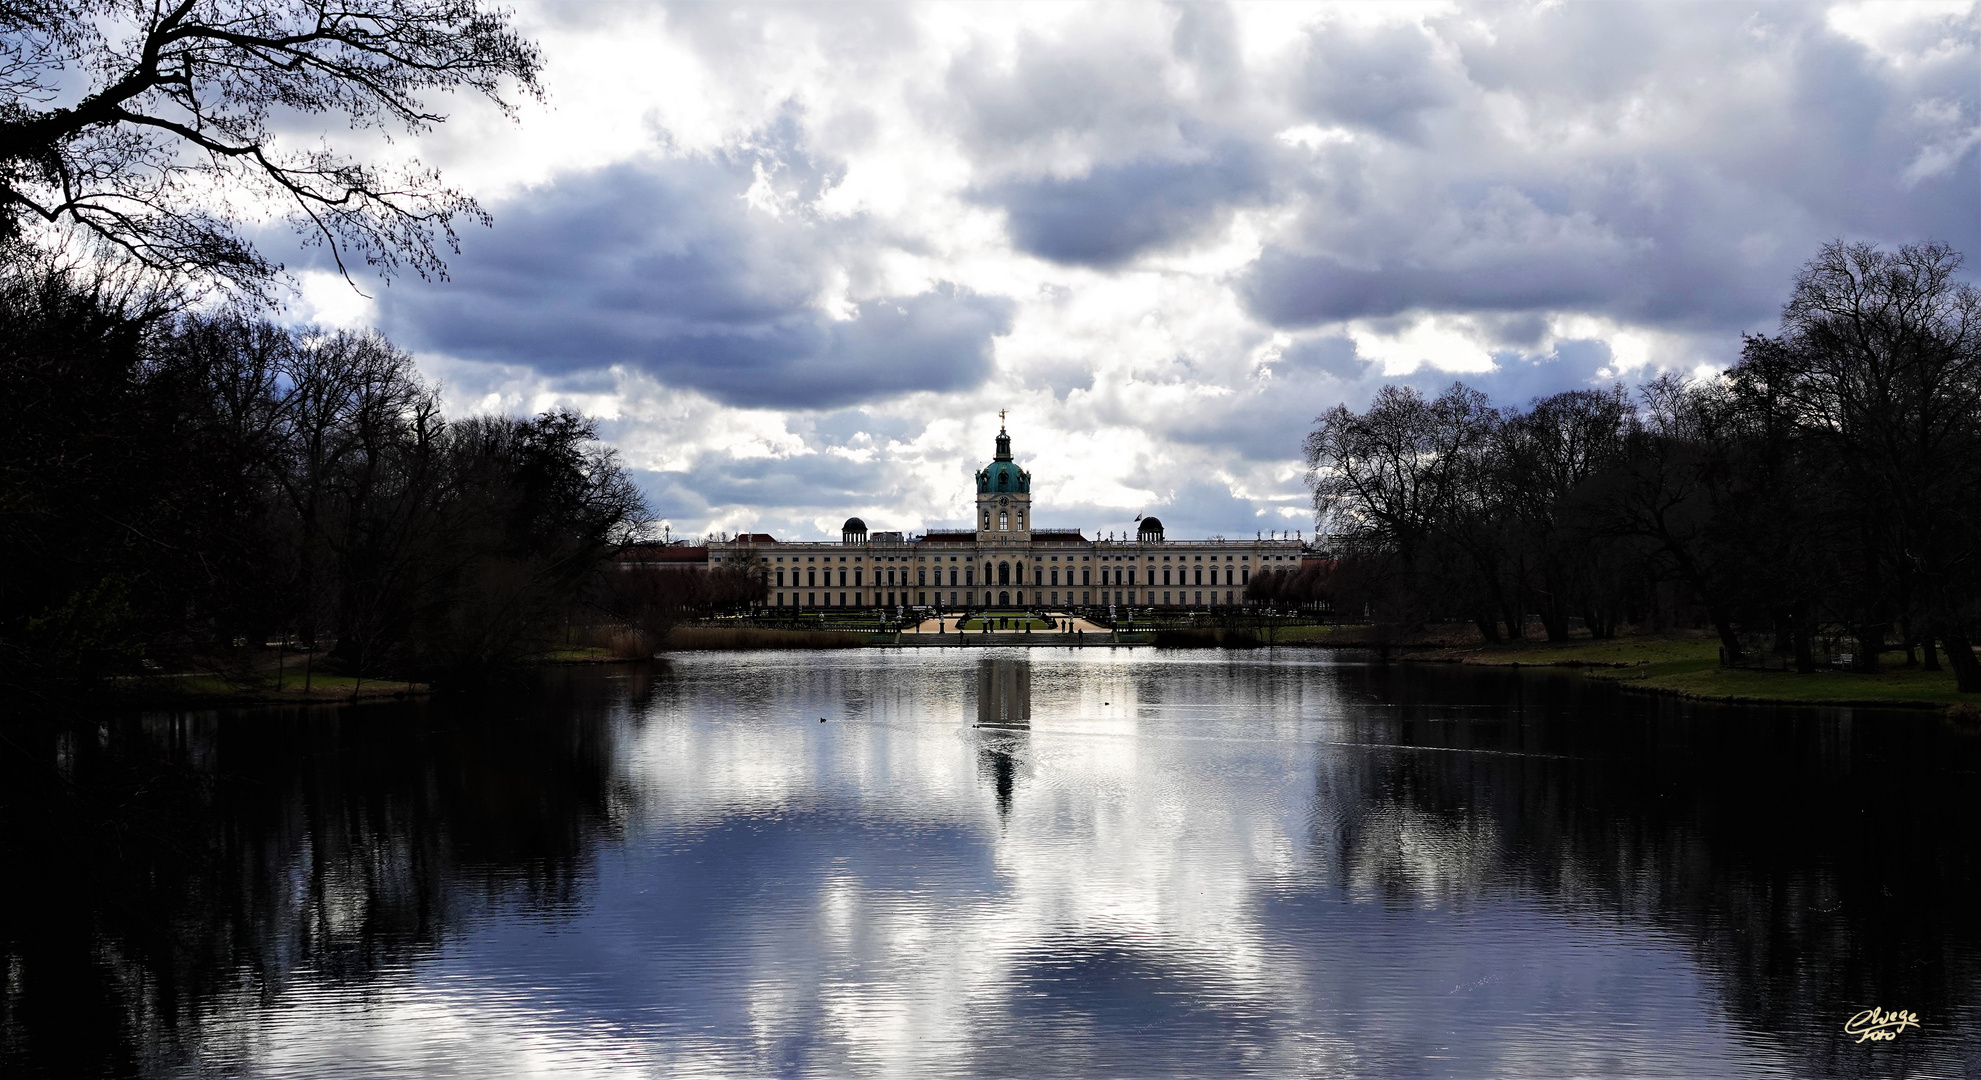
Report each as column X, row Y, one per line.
column 1006, row 561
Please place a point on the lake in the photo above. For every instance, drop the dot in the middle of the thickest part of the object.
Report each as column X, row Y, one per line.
column 1018, row 862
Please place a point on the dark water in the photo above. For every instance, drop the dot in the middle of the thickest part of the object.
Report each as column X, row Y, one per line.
column 1191, row 864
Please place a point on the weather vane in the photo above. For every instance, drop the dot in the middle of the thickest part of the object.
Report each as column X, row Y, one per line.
column 1000, row 418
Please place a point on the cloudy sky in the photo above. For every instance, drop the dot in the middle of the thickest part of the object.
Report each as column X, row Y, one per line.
column 797, row 258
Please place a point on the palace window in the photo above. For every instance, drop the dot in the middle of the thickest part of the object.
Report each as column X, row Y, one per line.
column 1003, row 521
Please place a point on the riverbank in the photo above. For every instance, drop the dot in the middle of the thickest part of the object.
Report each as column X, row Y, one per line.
column 1688, row 665
column 221, row 689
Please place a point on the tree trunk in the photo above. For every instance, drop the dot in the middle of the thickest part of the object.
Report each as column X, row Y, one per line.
column 1553, row 618
column 1870, row 641
column 1929, row 659
column 1960, row 655
column 1512, row 611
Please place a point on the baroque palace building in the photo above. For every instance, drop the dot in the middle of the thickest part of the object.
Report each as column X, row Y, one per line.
column 1006, row 561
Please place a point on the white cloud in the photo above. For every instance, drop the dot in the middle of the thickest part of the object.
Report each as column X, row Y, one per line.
column 1102, row 215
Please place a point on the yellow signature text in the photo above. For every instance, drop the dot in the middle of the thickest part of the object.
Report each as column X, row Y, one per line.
column 1877, row 1025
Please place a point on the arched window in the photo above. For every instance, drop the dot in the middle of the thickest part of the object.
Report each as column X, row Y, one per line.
column 1003, row 521
column 987, row 521
column 1004, row 573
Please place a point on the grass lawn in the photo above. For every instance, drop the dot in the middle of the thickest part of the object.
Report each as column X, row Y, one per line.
column 260, row 688
column 1690, row 665
column 1315, row 635
column 1013, row 623
column 580, row 654
column 1706, row 679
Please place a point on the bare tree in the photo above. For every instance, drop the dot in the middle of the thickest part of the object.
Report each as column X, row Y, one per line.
column 1882, row 356
column 183, row 99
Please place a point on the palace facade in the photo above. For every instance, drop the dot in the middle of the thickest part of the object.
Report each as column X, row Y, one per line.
column 1006, row 561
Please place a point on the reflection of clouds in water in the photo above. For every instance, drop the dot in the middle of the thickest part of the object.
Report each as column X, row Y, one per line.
column 1193, row 874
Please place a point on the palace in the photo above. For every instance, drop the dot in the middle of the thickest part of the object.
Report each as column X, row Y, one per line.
column 1006, row 561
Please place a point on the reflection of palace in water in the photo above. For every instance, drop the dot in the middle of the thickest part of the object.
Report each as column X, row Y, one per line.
column 1004, row 561
column 1004, row 693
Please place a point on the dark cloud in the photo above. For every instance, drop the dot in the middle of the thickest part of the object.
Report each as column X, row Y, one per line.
column 1330, row 356
column 664, row 267
column 1116, row 212
column 1200, row 507
column 1383, row 79
column 791, row 491
column 1295, row 289
column 1162, row 167
column 1609, row 160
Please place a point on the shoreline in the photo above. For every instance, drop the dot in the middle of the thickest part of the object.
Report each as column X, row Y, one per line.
column 1684, row 665
column 1687, row 666
column 208, row 690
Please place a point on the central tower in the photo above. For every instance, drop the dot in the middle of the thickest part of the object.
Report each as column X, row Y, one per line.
column 1004, row 496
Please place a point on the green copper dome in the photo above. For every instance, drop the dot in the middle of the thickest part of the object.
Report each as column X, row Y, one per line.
column 1002, row 474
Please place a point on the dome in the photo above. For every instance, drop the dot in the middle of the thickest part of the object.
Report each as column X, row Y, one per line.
column 853, row 525
column 1151, row 526
column 1003, row 476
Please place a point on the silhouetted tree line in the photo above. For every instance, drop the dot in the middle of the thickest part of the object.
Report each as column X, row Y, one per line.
column 174, row 483
column 647, row 600
column 1827, row 485
column 1306, row 585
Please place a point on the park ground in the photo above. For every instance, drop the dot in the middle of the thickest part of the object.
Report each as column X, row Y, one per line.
column 1683, row 663
column 1688, row 664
